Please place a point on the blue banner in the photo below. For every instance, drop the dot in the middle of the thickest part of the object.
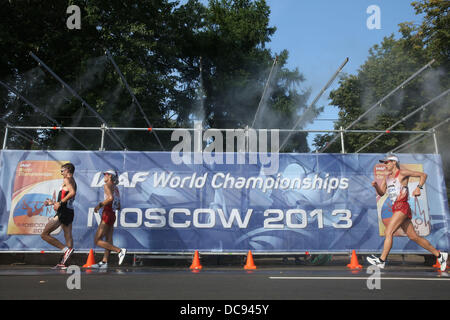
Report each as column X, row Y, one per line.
column 312, row 202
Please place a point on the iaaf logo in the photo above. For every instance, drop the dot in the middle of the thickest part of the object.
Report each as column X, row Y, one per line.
column 97, row 180
column 238, row 142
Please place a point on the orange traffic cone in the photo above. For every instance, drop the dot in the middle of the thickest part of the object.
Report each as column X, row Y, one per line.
column 437, row 264
column 250, row 265
column 196, row 262
column 90, row 260
column 354, row 264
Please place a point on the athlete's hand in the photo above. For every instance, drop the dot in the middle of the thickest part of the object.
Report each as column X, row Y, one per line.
column 96, row 208
column 416, row 192
column 374, row 184
column 56, row 206
column 48, row 202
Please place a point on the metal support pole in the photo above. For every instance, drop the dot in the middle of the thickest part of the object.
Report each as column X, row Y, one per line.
column 5, row 138
column 378, row 103
column 102, row 142
column 421, row 135
column 436, row 150
column 114, row 137
column 133, row 97
column 275, row 61
column 313, row 103
column 342, row 140
column 405, row 118
column 39, row 110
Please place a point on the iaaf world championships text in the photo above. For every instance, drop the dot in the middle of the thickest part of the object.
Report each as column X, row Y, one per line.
column 221, row 180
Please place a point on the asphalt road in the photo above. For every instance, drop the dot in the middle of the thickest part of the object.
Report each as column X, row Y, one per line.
column 267, row 283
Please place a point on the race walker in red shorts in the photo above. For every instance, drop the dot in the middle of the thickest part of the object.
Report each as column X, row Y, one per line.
column 110, row 205
column 396, row 186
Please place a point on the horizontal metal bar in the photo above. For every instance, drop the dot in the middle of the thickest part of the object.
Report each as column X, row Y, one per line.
column 405, row 118
column 242, row 252
column 225, row 130
column 431, row 130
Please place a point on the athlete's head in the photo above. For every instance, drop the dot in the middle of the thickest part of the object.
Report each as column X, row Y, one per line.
column 390, row 161
column 67, row 167
column 111, row 175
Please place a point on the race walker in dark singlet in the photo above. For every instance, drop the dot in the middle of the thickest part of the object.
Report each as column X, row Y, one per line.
column 64, row 207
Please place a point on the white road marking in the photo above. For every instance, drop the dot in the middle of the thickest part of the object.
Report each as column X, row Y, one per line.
column 356, row 278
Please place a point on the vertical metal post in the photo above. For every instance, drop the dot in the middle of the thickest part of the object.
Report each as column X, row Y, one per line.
column 102, row 142
column 5, row 138
column 247, row 143
column 342, row 139
column 436, row 150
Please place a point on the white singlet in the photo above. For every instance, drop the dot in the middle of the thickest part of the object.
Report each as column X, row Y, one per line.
column 396, row 191
column 116, row 199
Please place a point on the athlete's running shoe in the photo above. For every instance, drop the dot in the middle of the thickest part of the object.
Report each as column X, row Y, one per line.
column 100, row 265
column 67, row 255
column 373, row 260
column 443, row 260
column 122, row 254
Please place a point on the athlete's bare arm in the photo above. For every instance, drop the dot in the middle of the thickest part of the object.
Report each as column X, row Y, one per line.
column 406, row 174
column 381, row 190
column 108, row 188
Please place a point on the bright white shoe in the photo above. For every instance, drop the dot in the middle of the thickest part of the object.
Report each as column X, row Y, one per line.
column 373, row 260
column 443, row 260
column 122, row 254
column 100, row 265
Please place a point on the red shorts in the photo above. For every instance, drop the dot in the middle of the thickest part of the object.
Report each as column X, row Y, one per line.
column 403, row 207
column 108, row 216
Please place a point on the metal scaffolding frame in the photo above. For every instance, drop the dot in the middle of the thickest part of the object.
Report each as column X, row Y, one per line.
column 379, row 102
column 275, row 61
column 103, row 129
column 135, row 100
column 405, row 118
column 313, row 103
column 420, row 137
column 114, row 136
column 39, row 110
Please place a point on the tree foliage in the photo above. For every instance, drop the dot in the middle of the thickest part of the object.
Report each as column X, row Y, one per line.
column 183, row 62
column 389, row 64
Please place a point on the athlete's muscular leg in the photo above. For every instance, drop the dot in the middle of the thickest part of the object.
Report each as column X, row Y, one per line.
column 109, row 239
column 52, row 225
column 408, row 227
column 68, row 235
column 396, row 221
column 102, row 231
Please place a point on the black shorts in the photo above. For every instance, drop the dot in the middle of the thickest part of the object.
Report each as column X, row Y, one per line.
column 65, row 216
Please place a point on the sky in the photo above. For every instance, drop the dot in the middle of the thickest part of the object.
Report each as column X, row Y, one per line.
column 321, row 34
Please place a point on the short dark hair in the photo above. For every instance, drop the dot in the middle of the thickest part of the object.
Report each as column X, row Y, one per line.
column 69, row 166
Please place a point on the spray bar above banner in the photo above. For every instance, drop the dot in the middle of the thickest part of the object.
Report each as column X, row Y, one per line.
column 267, row 203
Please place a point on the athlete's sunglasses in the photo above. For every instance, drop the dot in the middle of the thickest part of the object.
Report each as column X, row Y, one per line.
column 386, row 162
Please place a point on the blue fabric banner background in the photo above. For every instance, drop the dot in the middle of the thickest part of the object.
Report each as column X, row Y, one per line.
column 315, row 202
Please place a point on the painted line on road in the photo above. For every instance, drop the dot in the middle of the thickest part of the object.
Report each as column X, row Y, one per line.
column 357, row 278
